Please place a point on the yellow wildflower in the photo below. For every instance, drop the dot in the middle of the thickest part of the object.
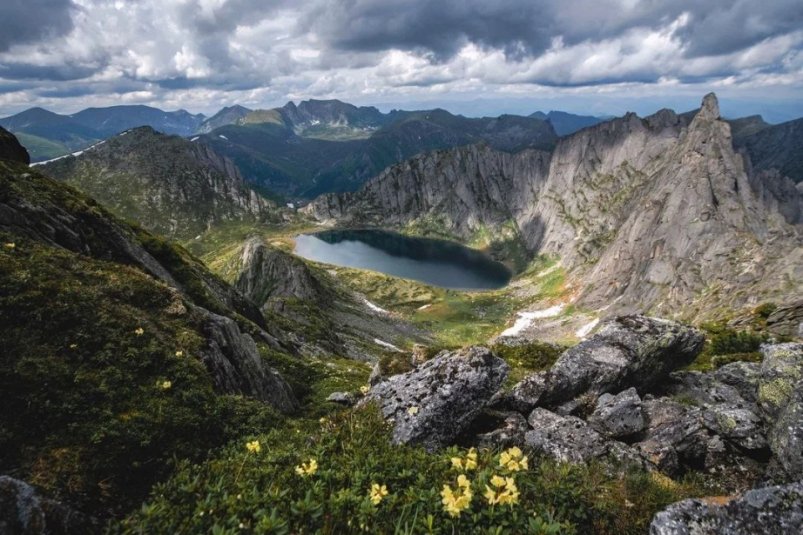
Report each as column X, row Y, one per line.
column 165, row 385
column 179, row 353
column 502, row 491
column 253, row 447
column 513, row 459
column 412, row 411
column 73, row 346
column 139, row 331
column 308, row 468
column 378, row 492
column 364, row 389
column 455, row 501
column 469, row 463
column 9, row 245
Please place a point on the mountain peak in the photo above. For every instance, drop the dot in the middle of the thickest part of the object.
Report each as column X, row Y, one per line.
column 710, row 107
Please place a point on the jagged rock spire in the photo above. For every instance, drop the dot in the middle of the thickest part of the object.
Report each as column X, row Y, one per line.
column 710, row 107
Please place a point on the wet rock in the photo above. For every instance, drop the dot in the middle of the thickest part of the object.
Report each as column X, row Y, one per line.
column 236, row 366
column 434, row 403
column 628, row 350
column 781, row 370
column 346, row 399
column 618, row 416
column 769, row 510
column 24, row 512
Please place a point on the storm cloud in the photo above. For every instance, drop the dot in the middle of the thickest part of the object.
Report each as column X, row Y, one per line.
column 203, row 54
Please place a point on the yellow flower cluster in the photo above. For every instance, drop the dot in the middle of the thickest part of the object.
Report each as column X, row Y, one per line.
column 10, row 245
column 253, row 447
column 179, row 354
column 377, row 493
column 502, row 491
column 139, row 331
column 457, row 500
column 469, row 463
column 364, row 389
column 308, row 468
column 513, row 459
column 165, row 385
column 412, row 411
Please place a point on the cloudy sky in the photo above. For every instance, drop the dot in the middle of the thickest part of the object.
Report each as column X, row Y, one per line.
column 470, row 56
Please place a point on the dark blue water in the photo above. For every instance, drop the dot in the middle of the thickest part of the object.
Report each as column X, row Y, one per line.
column 436, row 262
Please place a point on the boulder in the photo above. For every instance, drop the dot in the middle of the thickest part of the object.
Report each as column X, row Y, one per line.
column 628, row 350
column 743, row 376
column 768, row 510
column 781, row 370
column 786, row 437
column 432, row 404
column 674, row 437
column 703, row 389
column 346, row 399
column 24, row 512
column 736, row 424
column 618, row 416
column 570, row 439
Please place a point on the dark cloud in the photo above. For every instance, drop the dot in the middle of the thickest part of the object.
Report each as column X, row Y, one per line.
column 25, row 21
column 528, row 27
column 28, row 71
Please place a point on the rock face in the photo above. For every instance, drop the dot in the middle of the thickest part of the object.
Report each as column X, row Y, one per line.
column 770, row 510
column 565, row 438
column 24, row 512
column 10, row 148
column 236, row 366
column 651, row 211
column 435, row 402
column 167, row 184
column 629, row 350
column 268, row 273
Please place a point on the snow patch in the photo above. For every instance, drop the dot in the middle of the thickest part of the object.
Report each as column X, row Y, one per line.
column 547, row 271
column 375, row 308
column 526, row 318
column 221, row 136
column 196, row 138
column 424, row 307
column 586, row 329
column 387, row 345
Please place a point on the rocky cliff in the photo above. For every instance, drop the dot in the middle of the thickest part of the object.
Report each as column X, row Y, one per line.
column 659, row 213
column 10, row 148
column 169, row 185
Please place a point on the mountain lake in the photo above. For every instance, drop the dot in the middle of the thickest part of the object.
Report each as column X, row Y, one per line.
column 436, row 262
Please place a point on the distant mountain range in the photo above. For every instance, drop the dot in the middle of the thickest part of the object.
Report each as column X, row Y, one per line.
column 568, row 123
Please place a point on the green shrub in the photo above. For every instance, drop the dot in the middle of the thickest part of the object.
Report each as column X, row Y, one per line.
column 725, row 344
column 262, row 492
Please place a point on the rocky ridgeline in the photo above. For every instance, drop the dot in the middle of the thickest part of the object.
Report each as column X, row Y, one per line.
column 657, row 214
column 620, row 398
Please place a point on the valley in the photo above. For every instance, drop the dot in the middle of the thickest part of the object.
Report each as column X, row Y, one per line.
column 618, row 304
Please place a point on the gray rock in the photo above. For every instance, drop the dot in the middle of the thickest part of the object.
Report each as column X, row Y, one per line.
column 509, row 433
column 618, row 416
column 743, row 376
column 787, row 319
column 236, row 366
column 786, row 436
column 628, row 350
column 769, row 510
column 703, row 389
column 269, row 273
column 24, row 512
column 346, row 399
column 570, row 439
column 432, row 404
column 781, row 370
column 737, row 424
column 675, row 435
